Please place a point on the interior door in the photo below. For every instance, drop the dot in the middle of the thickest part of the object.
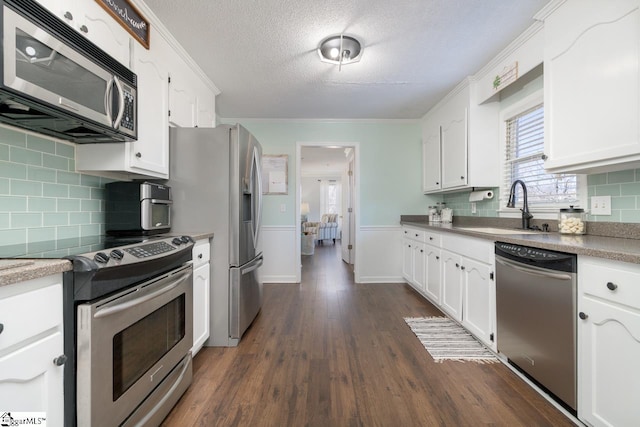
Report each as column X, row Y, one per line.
column 348, row 227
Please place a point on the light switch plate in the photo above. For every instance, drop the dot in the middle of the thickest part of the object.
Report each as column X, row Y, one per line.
column 600, row 205
column 283, row 208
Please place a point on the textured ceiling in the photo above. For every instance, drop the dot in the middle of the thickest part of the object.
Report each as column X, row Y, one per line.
column 261, row 54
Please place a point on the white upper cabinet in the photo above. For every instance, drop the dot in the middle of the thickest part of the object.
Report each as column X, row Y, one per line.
column 460, row 143
column 172, row 91
column 592, row 92
column 92, row 21
column 431, row 176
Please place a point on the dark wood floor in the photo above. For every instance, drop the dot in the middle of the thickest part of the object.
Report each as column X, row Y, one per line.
column 328, row 352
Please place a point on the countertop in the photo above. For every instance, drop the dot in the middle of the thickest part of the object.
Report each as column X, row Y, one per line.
column 613, row 248
column 22, row 269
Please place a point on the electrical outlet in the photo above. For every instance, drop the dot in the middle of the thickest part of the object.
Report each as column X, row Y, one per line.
column 473, row 208
column 600, row 205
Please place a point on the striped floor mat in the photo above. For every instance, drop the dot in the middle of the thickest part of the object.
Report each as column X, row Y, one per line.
column 444, row 339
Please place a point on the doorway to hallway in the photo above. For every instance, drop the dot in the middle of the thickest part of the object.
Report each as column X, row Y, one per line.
column 326, row 199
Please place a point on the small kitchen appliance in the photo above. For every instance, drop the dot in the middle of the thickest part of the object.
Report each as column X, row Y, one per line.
column 137, row 208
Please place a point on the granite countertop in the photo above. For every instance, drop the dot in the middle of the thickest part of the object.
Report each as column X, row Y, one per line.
column 613, row 248
column 22, row 269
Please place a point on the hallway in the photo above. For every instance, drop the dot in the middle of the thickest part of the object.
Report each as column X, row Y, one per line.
column 328, row 352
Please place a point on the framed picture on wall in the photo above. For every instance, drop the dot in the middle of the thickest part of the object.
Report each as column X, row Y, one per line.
column 275, row 169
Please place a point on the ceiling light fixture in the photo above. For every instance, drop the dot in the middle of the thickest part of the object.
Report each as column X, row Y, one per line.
column 340, row 50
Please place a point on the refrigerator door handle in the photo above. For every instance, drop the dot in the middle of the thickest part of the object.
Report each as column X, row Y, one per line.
column 252, row 267
column 257, row 171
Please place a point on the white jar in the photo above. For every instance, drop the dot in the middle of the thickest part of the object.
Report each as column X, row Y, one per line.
column 572, row 221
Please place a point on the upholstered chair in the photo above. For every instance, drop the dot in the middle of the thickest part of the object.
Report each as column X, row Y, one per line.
column 328, row 228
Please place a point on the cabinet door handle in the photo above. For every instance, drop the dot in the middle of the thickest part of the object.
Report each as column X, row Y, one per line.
column 1, row 328
column 544, row 157
column 583, row 315
column 457, row 265
column 462, row 267
column 68, row 15
column 199, row 256
column 421, row 251
column 612, row 286
column 405, row 232
column 437, row 257
column 416, row 234
column 84, row 29
column 60, row 360
column 430, row 238
column 462, row 177
column 437, row 183
column 409, row 245
column 138, row 154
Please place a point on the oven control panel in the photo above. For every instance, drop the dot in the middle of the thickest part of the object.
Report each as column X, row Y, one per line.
column 150, row 249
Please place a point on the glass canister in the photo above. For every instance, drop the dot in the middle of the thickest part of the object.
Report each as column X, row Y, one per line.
column 572, row 221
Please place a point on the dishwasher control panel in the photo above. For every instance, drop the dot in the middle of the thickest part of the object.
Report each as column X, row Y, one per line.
column 536, row 256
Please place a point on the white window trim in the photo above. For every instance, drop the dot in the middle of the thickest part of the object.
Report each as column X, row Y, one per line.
column 542, row 212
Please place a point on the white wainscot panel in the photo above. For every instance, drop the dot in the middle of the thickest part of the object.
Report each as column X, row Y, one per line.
column 379, row 258
column 278, row 245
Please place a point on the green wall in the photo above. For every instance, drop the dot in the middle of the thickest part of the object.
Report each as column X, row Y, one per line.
column 390, row 165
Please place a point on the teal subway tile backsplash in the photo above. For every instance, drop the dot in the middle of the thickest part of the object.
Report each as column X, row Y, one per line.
column 13, row 170
column 624, row 189
column 622, row 186
column 461, row 206
column 55, row 162
column 70, row 178
column 42, row 198
column 40, row 144
column 25, row 188
column 39, row 174
column 22, row 155
column 65, row 150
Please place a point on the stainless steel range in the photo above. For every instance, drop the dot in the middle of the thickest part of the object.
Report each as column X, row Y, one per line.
column 128, row 330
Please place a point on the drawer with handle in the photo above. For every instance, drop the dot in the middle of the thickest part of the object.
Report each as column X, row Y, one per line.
column 614, row 281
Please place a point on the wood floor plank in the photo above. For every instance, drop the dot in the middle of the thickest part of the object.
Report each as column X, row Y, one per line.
column 330, row 352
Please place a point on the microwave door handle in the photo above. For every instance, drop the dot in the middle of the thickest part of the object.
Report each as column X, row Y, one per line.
column 107, row 100
column 116, row 123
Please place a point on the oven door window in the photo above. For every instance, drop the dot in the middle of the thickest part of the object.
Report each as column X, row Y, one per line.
column 137, row 348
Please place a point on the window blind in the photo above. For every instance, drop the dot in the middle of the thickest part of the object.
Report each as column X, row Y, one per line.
column 524, row 161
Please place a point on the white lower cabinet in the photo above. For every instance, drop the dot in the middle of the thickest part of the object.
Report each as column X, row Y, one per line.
column 433, row 284
column 201, row 287
column 414, row 257
column 478, row 294
column 608, row 342
column 457, row 275
column 31, row 348
column 452, row 285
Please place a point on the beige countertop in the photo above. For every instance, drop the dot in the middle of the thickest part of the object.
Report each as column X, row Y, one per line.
column 14, row 270
column 21, row 270
column 614, row 248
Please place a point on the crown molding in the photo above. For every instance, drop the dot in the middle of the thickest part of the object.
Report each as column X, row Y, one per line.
column 299, row 120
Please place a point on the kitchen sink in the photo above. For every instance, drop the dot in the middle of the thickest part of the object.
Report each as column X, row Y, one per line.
column 494, row 230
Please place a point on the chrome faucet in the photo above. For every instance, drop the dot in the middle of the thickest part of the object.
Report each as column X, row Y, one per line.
column 526, row 216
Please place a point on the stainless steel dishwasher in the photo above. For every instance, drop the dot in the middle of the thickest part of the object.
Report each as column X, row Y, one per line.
column 536, row 315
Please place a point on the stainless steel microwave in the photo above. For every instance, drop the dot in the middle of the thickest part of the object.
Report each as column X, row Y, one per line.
column 56, row 82
column 137, row 208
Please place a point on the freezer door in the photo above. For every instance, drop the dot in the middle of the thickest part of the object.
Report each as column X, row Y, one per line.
column 245, row 296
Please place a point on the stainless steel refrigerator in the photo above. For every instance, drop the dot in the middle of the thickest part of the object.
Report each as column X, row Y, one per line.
column 215, row 179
